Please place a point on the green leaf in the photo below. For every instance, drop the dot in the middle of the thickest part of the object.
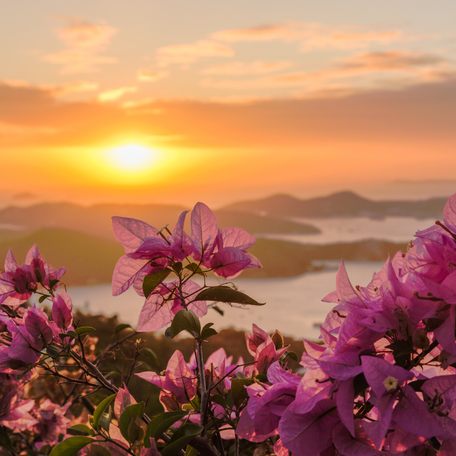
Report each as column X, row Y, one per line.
column 177, row 267
column 218, row 310
column 82, row 330
column 101, row 407
column 80, row 429
column 193, row 267
column 184, row 320
column 70, row 446
column 238, row 391
column 97, row 450
column 53, row 351
column 127, row 422
column 53, row 283
column 207, row 331
column 148, row 357
column 226, row 294
column 161, row 423
column 190, row 451
column 121, row 327
column 181, row 439
column 151, row 281
column 43, row 298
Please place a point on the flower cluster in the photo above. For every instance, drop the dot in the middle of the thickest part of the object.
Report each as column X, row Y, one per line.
column 382, row 379
column 151, row 255
column 27, row 333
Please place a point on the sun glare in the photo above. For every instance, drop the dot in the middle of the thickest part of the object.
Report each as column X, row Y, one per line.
column 132, row 157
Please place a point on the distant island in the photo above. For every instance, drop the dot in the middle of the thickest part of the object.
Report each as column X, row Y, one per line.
column 90, row 259
column 80, row 237
column 340, row 204
column 96, row 219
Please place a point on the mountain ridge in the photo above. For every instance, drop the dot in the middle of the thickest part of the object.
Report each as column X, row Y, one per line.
column 344, row 203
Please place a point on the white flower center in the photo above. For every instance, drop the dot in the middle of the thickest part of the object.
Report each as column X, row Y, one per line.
column 390, row 383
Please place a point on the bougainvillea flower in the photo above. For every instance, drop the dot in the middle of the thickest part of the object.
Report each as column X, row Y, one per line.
column 19, row 282
column 165, row 301
column 177, row 385
column 62, row 310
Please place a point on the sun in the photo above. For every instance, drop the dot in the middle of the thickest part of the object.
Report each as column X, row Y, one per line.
column 132, row 157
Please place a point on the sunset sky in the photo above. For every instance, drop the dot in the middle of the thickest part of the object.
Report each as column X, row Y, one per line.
column 227, row 100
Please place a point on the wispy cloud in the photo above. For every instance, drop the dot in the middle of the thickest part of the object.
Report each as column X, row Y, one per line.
column 393, row 68
column 311, row 36
column 391, row 60
column 116, row 94
column 241, row 68
column 186, row 54
column 151, row 75
column 414, row 115
column 85, row 43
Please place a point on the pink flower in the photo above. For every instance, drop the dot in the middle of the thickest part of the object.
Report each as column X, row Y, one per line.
column 165, row 301
column 51, row 423
column 62, row 313
column 177, row 385
column 262, row 348
column 18, row 283
column 267, row 404
column 14, row 410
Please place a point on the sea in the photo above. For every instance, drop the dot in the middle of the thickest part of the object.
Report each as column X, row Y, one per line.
column 293, row 305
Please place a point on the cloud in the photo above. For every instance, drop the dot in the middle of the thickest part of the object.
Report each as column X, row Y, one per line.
column 414, row 116
column 239, row 68
column 310, row 36
column 151, row 75
column 391, row 60
column 85, row 43
column 389, row 69
column 186, row 54
column 115, row 94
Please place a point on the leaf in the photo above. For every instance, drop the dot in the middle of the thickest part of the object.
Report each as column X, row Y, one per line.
column 238, row 390
column 53, row 283
column 181, row 439
column 207, row 331
column 80, row 429
column 70, row 446
column 161, row 423
column 218, row 310
column 98, row 450
column 177, row 267
column 193, row 267
column 148, row 357
column 43, row 298
column 101, row 407
column 119, row 328
column 184, row 320
column 127, row 422
column 151, row 281
column 82, row 330
column 226, row 294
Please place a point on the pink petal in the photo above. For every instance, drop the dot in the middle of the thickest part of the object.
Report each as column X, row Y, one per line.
column 237, row 237
column 204, row 229
column 125, row 273
column 449, row 213
column 131, row 232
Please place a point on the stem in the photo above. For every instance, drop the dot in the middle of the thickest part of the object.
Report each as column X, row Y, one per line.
column 202, row 381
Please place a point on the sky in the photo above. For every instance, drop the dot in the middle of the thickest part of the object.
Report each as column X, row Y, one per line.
column 227, row 100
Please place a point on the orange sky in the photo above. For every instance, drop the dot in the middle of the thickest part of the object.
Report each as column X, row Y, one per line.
column 305, row 97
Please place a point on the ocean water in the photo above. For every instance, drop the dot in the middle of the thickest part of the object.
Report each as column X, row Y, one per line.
column 293, row 305
column 397, row 229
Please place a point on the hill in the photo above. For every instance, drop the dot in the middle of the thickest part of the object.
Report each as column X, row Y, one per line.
column 96, row 220
column 341, row 204
column 90, row 259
